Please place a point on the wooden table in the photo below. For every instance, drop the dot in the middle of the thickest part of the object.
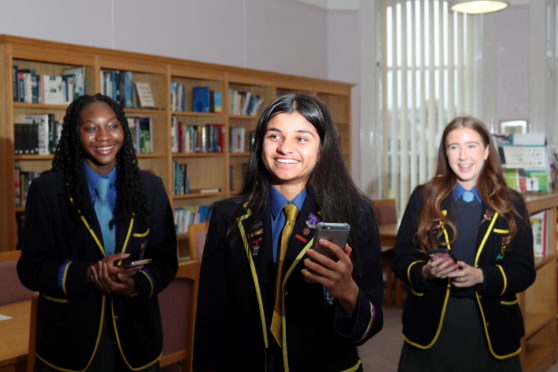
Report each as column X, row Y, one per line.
column 14, row 336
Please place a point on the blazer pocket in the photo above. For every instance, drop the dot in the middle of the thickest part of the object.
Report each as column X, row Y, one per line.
column 143, row 234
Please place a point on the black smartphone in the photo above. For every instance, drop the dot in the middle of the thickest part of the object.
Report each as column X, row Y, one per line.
column 131, row 264
column 338, row 233
column 442, row 253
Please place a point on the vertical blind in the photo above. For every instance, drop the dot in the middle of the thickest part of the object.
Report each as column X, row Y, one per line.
column 426, row 80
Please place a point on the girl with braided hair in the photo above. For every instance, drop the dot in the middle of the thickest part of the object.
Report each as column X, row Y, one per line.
column 93, row 212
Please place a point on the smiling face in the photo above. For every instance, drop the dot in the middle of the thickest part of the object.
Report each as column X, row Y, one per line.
column 291, row 149
column 101, row 135
column 466, row 154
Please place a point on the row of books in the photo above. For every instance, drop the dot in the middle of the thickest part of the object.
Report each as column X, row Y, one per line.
column 22, row 181
column 541, row 225
column 204, row 99
column 208, row 138
column 32, row 87
column 237, row 139
column 244, row 103
column 142, row 138
column 186, row 216
column 38, row 134
column 119, row 85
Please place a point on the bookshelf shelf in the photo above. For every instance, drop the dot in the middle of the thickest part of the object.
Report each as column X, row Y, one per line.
column 173, row 83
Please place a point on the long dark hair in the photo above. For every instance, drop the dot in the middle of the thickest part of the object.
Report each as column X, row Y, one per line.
column 131, row 199
column 490, row 185
column 329, row 184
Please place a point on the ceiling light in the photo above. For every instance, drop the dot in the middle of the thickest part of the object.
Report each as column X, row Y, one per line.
column 477, row 6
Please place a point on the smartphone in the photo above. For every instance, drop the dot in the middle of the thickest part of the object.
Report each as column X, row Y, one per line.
column 443, row 253
column 131, row 264
column 338, row 233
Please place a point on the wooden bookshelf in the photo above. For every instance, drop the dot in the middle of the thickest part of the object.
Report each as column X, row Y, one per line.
column 221, row 171
column 539, row 302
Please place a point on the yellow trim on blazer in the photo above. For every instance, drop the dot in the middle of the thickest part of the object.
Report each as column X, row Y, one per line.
column 254, row 275
column 501, row 231
column 353, row 368
column 505, row 279
column 113, row 317
column 488, row 338
column 509, row 303
column 150, row 281
column 479, row 251
column 94, row 349
column 127, row 240
column 409, row 278
column 64, row 277
column 142, row 235
column 92, row 233
column 440, row 323
column 283, row 321
column 55, row 299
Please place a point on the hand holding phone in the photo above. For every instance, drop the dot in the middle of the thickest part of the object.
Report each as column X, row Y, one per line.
column 132, row 264
column 442, row 253
column 337, row 233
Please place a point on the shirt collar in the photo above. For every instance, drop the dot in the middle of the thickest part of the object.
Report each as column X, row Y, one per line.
column 458, row 191
column 92, row 178
column 277, row 200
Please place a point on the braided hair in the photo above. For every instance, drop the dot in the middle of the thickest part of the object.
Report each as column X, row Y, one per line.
column 69, row 155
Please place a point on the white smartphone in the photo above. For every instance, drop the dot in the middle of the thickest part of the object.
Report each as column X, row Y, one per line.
column 338, row 233
column 131, row 264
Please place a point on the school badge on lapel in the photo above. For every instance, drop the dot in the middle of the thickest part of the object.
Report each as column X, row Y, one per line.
column 312, row 221
column 255, row 238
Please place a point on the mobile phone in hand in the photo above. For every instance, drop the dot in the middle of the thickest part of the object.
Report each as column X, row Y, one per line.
column 338, row 233
column 443, row 253
column 132, row 264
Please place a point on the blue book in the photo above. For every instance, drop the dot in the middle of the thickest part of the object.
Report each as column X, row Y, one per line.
column 200, row 99
column 128, row 88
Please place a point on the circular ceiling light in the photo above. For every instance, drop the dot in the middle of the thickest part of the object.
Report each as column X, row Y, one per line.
column 477, row 6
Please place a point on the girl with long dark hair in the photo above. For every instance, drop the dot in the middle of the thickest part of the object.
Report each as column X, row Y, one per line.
column 267, row 302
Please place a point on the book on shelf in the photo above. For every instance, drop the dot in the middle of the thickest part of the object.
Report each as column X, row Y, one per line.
column 26, row 138
column 188, row 215
column 244, row 103
column 22, row 182
column 209, row 190
column 540, row 224
column 178, row 96
column 236, row 139
column 145, row 95
column 181, row 179
column 217, row 102
column 73, row 83
column 201, row 99
column 119, row 85
column 142, row 136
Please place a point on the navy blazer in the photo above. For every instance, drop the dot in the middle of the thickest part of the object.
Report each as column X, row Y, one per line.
column 508, row 268
column 235, row 299
column 71, row 310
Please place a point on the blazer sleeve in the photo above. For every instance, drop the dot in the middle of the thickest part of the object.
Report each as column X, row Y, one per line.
column 516, row 271
column 209, row 339
column 161, row 245
column 367, row 318
column 409, row 261
column 44, row 265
